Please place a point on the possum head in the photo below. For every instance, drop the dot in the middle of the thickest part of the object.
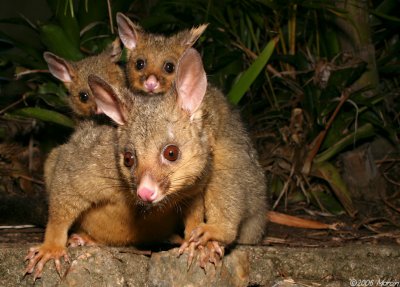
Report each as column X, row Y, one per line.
column 74, row 75
column 152, row 59
column 163, row 145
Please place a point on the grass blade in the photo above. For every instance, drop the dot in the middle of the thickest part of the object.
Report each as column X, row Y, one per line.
column 330, row 173
column 248, row 77
column 45, row 115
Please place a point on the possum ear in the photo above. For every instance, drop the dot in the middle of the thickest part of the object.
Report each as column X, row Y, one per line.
column 128, row 32
column 189, row 37
column 191, row 81
column 107, row 100
column 59, row 68
column 115, row 50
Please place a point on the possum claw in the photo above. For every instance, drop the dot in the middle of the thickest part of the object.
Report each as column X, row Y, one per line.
column 182, row 248
column 212, row 253
column 189, row 248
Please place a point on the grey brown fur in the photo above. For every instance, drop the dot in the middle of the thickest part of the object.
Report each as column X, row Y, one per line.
column 217, row 172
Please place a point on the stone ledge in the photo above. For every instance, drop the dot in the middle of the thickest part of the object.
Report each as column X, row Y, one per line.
column 244, row 266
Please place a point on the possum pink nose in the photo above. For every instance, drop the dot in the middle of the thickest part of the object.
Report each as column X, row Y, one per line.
column 151, row 83
column 146, row 194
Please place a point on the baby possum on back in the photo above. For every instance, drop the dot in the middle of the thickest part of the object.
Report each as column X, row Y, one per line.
column 150, row 68
column 152, row 59
column 74, row 76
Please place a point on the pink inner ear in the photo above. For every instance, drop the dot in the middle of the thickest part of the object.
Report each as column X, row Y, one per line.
column 126, row 31
column 106, row 99
column 191, row 81
column 61, row 73
column 58, row 67
column 108, row 108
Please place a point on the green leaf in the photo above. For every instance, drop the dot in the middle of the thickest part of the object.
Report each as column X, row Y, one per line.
column 97, row 11
column 56, row 41
column 54, row 101
column 70, row 26
column 276, row 186
column 25, row 47
column 327, row 201
column 52, row 88
column 54, row 95
column 345, row 77
column 338, row 128
column 64, row 12
column 45, row 115
column 385, row 16
column 248, row 77
column 365, row 131
column 330, row 173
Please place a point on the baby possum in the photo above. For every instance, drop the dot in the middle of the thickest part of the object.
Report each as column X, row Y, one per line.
column 152, row 59
column 74, row 76
column 150, row 68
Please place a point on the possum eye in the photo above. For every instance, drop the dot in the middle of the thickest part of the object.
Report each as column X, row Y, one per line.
column 140, row 64
column 129, row 159
column 83, row 97
column 169, row 67
column 171, row 152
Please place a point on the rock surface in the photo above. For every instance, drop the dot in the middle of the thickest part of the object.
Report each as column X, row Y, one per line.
column 242, row 266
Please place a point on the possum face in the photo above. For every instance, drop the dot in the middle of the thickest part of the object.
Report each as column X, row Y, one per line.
column 153, row 59
column 80, row 98
column 151, row 66
column 164, row 152
column 74, row 75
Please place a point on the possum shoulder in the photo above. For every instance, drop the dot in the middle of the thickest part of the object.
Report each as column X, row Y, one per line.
column 90, row 137
column 222, row 118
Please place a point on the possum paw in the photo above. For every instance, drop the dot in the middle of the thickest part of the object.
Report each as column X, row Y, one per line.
column 212, row 252
column 203, row 234
column 81, row 239
column 39, row 255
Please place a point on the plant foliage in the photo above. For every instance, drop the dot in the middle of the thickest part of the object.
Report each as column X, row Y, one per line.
column 282, row 62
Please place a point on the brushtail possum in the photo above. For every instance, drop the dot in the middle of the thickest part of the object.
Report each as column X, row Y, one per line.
column 74, row 76
column 179, row 158
column 152, row 59
column 191, row 150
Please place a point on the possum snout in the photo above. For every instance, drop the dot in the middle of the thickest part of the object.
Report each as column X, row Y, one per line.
column 151, row 83
column 146, row 194
column 149, row 190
